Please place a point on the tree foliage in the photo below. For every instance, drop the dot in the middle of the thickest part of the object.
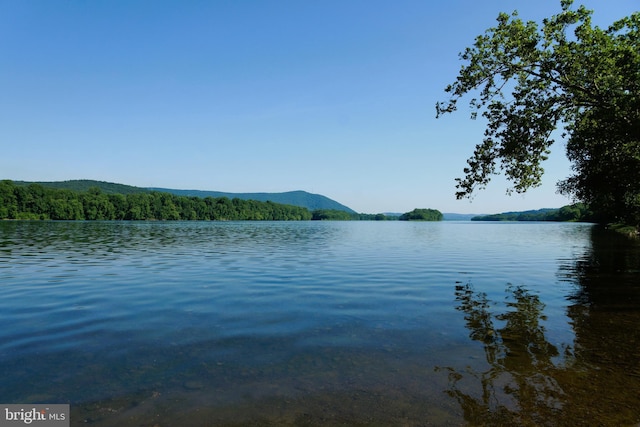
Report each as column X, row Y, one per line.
column 422, row 215
column 35, row 201
column 332, row 215
column 565, row 74
column 574, row 212
column 340, row 215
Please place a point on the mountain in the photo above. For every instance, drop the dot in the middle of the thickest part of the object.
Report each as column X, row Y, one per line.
column 295, row 198
column 83, row 185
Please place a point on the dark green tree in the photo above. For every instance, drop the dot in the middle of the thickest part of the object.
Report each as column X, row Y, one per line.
column 97, row 205
column 422, row 215
column 8, row 200
column 331, row 215
column 138, row 207
column 564, row 73
column 64, row 205
column 119, row 202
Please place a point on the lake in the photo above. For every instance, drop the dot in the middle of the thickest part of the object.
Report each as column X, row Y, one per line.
column 321, row 323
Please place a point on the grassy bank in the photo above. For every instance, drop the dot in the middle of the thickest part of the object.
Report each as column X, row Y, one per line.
column 627, row 230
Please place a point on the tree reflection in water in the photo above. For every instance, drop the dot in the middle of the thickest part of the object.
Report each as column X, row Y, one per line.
column 528, row 381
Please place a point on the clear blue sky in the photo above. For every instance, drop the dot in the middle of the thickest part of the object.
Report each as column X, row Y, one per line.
column 333, row 97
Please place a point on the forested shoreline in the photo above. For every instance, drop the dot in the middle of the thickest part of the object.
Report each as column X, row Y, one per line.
column 36, row 202
column 577, row 212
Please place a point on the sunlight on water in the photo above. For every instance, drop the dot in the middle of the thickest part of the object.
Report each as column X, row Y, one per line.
column 321, row 323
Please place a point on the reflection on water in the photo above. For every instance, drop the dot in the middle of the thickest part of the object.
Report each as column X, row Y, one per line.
column 528, row 380
column 519, row 385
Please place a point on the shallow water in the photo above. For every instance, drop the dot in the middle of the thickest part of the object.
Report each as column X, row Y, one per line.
column 321, row 323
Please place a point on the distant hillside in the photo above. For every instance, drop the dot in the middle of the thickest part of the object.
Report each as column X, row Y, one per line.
column 530, row 215
column 84, row 184
column 294, row 198
column 575, row 212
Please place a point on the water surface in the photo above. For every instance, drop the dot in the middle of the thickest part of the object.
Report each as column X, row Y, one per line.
column 321, row 323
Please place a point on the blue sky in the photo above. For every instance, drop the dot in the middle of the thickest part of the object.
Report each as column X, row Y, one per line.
column 334, row 97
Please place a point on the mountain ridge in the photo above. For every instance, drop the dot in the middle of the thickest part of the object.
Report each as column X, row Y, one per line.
column 574, row 212
column 296, row 198
column 300, row 198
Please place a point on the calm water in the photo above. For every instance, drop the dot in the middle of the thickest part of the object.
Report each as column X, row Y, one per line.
column 321, row 323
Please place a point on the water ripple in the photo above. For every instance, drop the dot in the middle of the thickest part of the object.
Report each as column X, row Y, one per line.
column 246, row 294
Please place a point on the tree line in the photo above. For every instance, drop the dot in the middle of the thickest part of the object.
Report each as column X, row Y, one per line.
column 414, row 215
column 578, row 212
column 337, row 215
column 35, row 201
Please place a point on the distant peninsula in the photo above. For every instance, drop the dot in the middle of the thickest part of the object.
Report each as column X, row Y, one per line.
column 577, row 212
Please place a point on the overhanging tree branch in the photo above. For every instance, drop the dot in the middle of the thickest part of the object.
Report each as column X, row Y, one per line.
column 589, row 83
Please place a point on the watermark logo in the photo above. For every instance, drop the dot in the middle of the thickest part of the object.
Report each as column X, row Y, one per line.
column 40, row 415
